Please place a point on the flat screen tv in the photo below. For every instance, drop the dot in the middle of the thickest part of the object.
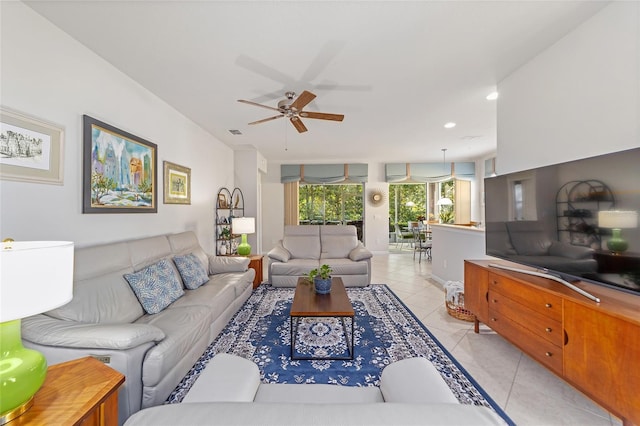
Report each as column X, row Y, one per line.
column 576, row 220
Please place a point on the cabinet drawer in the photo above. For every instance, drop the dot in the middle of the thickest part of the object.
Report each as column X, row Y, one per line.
column 536, row 347
column 541, row 325
column 535, row 299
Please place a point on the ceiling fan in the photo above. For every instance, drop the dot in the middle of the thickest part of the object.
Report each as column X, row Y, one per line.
column 292, row 109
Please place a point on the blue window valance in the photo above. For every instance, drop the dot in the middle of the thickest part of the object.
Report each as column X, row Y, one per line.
column 324, row 173
column 427, row 172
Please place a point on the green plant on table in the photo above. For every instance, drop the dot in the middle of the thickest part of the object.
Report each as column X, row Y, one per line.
column 323, row 272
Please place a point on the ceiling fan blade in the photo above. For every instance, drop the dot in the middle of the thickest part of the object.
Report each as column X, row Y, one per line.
column 297, row 123
column 259, row 105
column 267, row 119
column 302, row 100
column 322, row 115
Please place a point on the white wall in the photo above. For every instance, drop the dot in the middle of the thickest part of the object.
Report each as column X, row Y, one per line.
column 579, row 98
column 453, row 244
column 47, row 74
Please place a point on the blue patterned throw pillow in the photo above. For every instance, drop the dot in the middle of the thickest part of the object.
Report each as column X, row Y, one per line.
column 155, row 286
column 191, row 270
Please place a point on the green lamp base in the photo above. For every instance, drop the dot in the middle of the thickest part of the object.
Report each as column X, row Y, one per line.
column 616, row 244
column 22, row 372
column 244, row 249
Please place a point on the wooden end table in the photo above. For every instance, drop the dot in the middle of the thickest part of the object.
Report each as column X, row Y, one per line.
column 307, row 303
column 79, row 392
column 255, row 263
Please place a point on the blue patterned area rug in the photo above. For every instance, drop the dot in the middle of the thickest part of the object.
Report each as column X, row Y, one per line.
column 385, row 331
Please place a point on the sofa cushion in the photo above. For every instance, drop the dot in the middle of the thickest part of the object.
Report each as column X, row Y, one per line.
column 360, row 253
column 279, row 253
column 226, row 378
column 100, row 292
column 215, row 296
column 302, row 241
column 337, row 241
column 183, row 328
column 191, row 270
column 294, row 267
column 346, row 266
column 223, row 264
column 147, row 251
column 238, row 281
column 414, row 380
column 156, row 286
column 187, row 242
column 317, row 392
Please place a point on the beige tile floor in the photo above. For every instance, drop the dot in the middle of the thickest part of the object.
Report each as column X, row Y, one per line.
column 525, row 390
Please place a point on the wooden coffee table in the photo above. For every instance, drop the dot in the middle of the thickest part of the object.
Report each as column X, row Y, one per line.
column 307, row 303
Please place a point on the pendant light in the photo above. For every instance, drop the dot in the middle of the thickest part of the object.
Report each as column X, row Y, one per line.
column 445, row 201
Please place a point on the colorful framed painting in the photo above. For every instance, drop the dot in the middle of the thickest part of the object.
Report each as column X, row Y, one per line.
column 31, row 149
column 119, row 171
column 177, row 184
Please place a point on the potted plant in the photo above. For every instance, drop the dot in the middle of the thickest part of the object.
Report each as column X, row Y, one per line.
column 321, row 279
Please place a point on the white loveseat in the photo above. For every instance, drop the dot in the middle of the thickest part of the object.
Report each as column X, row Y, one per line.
column 106, row 319
column 305, row 247
column 229, row 392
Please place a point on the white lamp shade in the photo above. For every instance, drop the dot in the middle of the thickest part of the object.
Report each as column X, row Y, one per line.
column 243, row 225
column 617, row 219
column 444, row 202
column 35, row 277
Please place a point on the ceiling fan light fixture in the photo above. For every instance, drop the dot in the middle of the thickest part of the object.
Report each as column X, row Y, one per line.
column 293, row 110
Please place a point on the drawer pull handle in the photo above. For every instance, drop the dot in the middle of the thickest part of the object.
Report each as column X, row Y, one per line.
column 495, row 300
column 548, row 330
column 549, row 354
column 493, row 319
column 548, row 305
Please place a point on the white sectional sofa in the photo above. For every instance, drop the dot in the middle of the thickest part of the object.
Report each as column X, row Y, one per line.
column 106, row 318
column 229, row 392
column 305, row 247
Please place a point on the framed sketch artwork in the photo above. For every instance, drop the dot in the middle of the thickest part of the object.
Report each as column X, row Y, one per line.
column 31, row 149
column 177, row 184
column 119, row 171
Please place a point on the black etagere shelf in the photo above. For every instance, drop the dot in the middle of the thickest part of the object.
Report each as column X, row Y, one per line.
column 229, row 204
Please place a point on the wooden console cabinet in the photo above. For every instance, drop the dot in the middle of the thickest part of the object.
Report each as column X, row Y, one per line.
column 593, row 346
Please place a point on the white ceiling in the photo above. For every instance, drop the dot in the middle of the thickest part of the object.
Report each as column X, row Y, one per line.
column 398, row 71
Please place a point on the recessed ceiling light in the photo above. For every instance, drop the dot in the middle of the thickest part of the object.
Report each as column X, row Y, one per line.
column 450, row 125
column 492, row 96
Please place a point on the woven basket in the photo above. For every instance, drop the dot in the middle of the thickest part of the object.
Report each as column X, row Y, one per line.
column 458, row 311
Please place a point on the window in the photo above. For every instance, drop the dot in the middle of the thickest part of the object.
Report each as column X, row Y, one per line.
column 331, row 204
column 407, row 203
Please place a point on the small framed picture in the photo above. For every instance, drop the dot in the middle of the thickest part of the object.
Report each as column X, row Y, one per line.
column 31, row 149
column 177, row 184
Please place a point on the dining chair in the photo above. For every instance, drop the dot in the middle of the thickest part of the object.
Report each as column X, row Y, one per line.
column 421, row 244
column 402, row 236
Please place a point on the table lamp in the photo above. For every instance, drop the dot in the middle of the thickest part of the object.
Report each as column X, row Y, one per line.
column 243, row 226
column 617, row 220
column 35, row 276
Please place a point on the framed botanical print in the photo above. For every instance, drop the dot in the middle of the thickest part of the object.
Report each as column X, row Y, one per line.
column 177, row 184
